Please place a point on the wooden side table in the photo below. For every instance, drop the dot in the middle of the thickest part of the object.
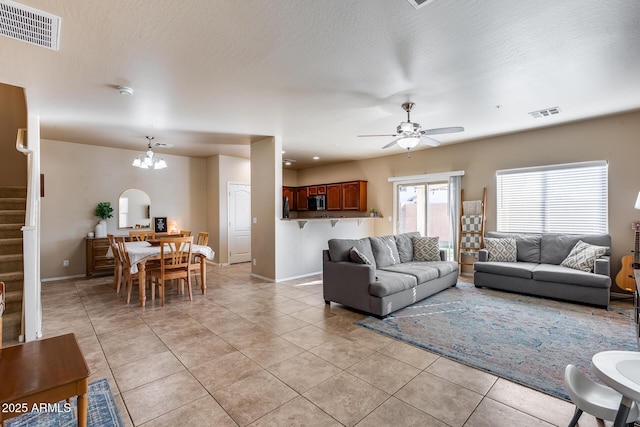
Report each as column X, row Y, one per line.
column 43, row 372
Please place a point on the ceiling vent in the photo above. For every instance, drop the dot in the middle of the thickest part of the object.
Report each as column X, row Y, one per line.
column 29, row 25
column 546, row 112
column 419, row 3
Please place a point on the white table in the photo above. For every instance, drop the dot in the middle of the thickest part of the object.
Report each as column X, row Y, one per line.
column 141, row 252
column 620, row 370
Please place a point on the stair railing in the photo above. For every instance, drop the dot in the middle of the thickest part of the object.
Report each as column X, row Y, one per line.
column 31, row 325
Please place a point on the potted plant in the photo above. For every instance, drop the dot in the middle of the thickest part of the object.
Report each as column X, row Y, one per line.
column 103, row 211
column 373, row 212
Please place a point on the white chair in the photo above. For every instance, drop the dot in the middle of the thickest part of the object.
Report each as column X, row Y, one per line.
column 598, row 400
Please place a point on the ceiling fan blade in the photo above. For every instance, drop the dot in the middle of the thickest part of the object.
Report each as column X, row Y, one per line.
column 430, row 141
column 366, row 136
column 440, row 131
column 392, row 143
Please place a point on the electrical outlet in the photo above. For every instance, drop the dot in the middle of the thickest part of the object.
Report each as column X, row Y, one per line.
column 65, row 263
column 254, row 261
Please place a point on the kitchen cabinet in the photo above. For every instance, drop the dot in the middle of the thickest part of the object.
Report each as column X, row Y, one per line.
column 290, row 193
column 334, row 197
column 302, row 194
column 354, row 196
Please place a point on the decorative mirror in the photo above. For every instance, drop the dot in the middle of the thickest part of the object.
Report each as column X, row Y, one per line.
column 134, row 209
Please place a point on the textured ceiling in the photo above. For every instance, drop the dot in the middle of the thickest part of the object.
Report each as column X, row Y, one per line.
column 208, row 76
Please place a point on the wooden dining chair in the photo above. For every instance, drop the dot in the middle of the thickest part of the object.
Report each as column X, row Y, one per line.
column 117, row 262
column 141, row 235
column 184, row 233
column 175, row 260
column 203, row 240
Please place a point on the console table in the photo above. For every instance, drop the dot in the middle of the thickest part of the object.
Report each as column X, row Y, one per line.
column 43, row 372
column 97, row 260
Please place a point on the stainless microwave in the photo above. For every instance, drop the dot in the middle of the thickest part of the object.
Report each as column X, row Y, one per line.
column 317, row 203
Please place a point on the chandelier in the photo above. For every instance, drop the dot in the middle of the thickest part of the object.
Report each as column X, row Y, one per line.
column 149, row 160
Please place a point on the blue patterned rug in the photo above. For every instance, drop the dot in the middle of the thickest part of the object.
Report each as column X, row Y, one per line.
column 102, row 411
column 525, row 339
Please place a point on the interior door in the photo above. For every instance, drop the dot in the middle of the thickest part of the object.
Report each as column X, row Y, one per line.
column 239, row 223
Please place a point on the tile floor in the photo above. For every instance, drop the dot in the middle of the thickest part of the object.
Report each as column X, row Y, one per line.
column 255, row 353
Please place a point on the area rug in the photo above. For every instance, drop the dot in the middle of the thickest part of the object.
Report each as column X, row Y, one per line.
column 525, row 339
column 102, row 411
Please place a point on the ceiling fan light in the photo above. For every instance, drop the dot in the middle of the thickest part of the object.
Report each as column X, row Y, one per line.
column 136, row 162
column 409, row 142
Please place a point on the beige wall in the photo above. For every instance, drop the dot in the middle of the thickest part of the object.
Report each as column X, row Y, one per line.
column 266, row 190
column 13, row 115
column 614, row 138
column 78, row 177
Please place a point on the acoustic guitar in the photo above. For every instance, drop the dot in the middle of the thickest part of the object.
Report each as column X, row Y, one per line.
column 625, row 278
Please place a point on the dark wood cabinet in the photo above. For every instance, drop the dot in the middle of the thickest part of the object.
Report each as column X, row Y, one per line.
column 341, row 196
column 334, row 197
column 302, row 194
column 354, row 196
column 290, row 193
column 97, row 260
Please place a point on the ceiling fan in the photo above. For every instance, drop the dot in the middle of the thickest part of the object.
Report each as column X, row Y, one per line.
column 409, row 134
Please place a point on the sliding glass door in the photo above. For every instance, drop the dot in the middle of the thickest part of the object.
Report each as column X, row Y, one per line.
column 424, row 207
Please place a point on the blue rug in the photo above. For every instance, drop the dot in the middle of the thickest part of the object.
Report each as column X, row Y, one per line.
column 525, row 339
column 102, row 411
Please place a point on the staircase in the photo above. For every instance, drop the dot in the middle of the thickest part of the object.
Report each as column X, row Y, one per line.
column 12, row 212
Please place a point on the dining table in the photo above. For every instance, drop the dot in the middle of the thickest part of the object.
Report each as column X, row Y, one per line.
column 142, row 252
column 620, row 370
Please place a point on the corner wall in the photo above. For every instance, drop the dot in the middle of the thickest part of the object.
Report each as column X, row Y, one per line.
column 13, row 116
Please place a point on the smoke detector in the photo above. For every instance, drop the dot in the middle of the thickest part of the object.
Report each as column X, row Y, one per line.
column 29, row 25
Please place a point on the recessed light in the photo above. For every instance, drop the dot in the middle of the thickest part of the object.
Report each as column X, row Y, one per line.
column 316, row 158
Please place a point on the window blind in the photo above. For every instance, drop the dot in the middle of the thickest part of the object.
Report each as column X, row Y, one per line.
column 568, row 198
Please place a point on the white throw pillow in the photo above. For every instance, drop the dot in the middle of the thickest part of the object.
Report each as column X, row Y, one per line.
column 583, row 256
column 501, row 250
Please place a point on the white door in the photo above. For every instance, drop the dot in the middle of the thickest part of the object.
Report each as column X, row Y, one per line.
column 239, row 223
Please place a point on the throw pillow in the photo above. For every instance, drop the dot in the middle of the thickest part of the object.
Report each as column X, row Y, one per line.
column 385, row 252
column 501, row 250
column 583, row 256
column 358, row 257
column 426, row 248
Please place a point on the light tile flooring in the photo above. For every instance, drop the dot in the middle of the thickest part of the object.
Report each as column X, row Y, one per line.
column 255, row 353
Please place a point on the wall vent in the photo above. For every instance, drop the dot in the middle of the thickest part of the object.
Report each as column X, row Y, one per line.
column 419, row 3
column 546, row 112
column 29, row 25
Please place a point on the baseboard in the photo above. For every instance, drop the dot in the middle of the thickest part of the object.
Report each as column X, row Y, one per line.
column 55, row 279
column 257, row 276
column 299, row 277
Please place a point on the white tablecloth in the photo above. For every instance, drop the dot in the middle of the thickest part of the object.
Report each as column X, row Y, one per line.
column 139, row 251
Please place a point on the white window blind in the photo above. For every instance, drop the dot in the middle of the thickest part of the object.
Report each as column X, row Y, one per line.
column 567, row 198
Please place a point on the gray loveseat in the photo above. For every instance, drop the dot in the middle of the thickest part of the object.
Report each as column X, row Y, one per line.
column 392, row 279
column 538, row 270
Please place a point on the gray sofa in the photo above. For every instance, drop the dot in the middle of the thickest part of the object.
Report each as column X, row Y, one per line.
column 391, row 281
column 537, row 270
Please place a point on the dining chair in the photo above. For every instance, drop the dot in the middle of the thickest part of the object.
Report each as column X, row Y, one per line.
column 184, row 233
column 128, row 278
column 598, row 400
column 202, row 239
column 141, row 235
column 175, row 260
column 117, row 262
